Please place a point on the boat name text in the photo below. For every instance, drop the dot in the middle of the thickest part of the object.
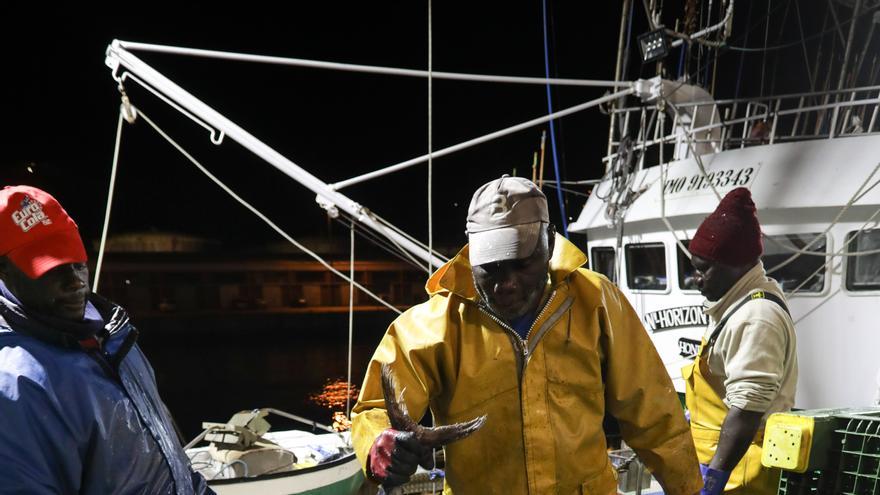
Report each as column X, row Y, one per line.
column 671, row 318
column 688, row 348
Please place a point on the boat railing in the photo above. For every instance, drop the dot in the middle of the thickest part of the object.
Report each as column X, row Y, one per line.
column 212, row 427
column 714, row 126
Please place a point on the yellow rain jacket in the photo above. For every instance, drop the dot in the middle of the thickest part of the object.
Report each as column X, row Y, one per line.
column 586, row 354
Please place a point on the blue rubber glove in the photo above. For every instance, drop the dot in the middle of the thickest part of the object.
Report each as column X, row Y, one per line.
column 713, row 480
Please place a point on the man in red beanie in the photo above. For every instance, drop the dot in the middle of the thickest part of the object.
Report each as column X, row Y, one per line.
column 746, row 368
column 79, row 408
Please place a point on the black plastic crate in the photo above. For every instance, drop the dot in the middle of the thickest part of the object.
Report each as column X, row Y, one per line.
column 860, row 454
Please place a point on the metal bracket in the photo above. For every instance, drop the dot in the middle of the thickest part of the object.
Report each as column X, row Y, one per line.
column 649, row 90
column 112, row 61
column 332, row 210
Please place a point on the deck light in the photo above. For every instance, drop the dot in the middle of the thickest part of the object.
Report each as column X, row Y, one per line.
column 654, row 45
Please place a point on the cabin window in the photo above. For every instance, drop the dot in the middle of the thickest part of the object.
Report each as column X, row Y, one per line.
column 646, row 266
column 806, row 272
column 685, row 269
column 602, row 260
column 863, row 272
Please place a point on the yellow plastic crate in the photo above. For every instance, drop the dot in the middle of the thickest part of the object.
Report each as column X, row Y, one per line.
column 788, row 441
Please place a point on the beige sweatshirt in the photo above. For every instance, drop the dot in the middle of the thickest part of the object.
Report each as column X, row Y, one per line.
column 755, row 355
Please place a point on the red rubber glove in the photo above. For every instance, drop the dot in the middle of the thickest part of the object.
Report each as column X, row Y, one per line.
column 394, row 456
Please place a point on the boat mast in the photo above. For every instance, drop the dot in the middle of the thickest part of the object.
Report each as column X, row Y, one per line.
column 849, row 41
column 622, row 45
column 327, row 197
column 119, row 56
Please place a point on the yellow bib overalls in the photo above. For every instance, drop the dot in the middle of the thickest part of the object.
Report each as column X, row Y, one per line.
column 707, row 415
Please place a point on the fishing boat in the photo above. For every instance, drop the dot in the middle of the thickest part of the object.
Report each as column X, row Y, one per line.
column 676, row 145
column 810, row 160
column 244, row 457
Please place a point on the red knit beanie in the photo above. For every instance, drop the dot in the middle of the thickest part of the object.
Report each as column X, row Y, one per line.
column 731, row 234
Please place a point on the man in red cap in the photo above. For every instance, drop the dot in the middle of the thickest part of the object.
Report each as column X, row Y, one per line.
column 79, row 408
column 746, row 368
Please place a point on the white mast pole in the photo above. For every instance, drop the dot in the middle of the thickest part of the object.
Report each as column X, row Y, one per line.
column 118, row 56
column 369, row 69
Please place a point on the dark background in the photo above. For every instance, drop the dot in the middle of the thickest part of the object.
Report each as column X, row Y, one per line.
column 60, row 104
column 60, row 109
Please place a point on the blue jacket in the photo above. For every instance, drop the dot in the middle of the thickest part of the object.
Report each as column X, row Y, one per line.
column 88, row 421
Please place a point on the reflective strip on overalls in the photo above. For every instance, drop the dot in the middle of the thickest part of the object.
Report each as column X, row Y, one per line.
column 708, row 411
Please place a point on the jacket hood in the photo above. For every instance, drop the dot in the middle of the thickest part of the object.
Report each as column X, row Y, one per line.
column 456, row 277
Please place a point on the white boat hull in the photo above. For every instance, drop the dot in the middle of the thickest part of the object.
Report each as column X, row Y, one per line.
column 799, row 188
column 341, row 477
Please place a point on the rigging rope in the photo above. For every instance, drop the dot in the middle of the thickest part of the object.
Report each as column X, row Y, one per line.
column 803, row 44
column 863, row 12
column 109, row 205
column 350, row 320
column 430, row 137
column 263, row 217
column 371, row 237
column 805, row 250
column 401, row 249
column 860, row 192
column 775, row 62
column 742, row 56
column 697, row 157
column 566, row 190
column 766, row 36
column 389, row 225
column 663, row 169
column 838, row 253
column 559, row 193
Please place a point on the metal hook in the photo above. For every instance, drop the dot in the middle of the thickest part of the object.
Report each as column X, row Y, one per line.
column 216, row 136
column 129, row 113
column 115, row 70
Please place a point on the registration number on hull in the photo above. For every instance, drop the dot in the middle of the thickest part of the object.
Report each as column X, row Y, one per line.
column 721, row 179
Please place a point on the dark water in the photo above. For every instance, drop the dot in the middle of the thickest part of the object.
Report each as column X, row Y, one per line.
column 209, row 368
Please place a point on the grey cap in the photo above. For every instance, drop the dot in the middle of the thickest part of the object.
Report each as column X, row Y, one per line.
column 505, row 220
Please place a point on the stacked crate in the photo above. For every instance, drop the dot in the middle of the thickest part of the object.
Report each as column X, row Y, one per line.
column 840, row 453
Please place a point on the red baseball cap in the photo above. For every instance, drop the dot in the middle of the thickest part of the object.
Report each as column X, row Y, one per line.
column 36, row 234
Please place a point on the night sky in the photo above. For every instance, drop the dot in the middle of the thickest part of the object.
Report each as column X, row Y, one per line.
column 61, row 107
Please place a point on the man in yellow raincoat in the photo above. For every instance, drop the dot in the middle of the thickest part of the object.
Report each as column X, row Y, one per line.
column 746, row 367
column 516, row 330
